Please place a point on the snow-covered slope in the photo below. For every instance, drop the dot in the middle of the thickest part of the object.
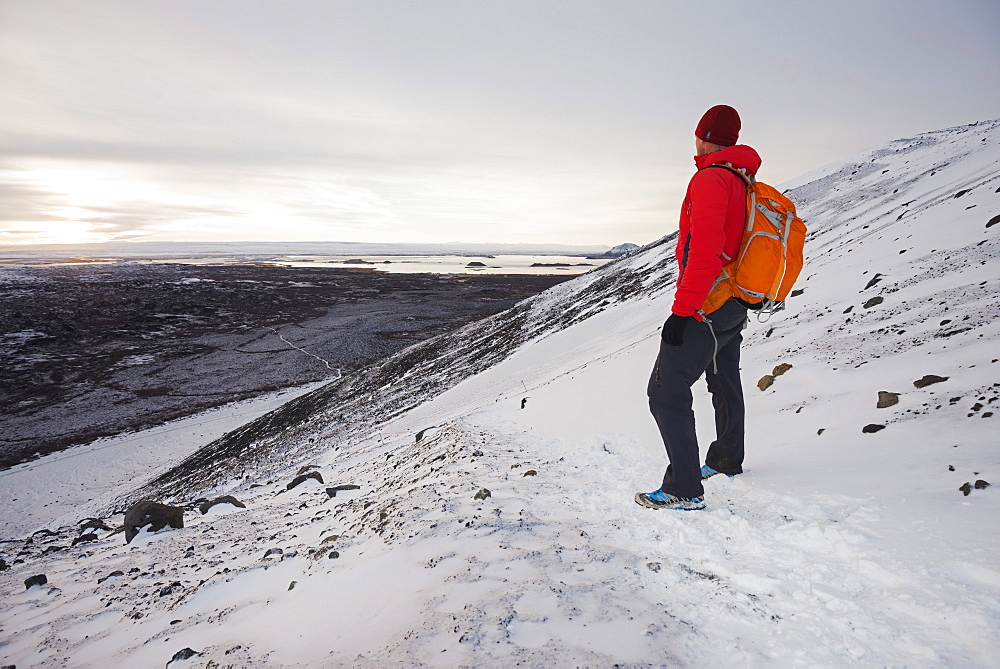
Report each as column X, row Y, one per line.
column 837, row 547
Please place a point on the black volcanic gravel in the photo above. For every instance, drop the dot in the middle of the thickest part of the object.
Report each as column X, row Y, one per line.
column 95, row 350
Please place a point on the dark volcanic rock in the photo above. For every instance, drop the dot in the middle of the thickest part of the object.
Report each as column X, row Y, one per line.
column 981, row 484
column 332, row 492
column 225, row 499
column 154, row 514
column 39, row 579
column 185, row 654
column 83, row 538
column 94, row 524
column 103, row 349
column 878, row 299
column 928, row 380
column 966, row 488
column 871, row 428
column 301, row 478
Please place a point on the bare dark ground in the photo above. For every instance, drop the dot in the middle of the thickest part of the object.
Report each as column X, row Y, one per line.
column 96, row 350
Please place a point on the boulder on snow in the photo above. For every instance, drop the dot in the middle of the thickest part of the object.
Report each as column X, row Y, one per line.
column 185, row 654
column 225, row 499
column 981, row 485
column 929, row 379
column 154, row 514
column 871, row 428
column 301, row 478
column 886, row 399
column 94, row 524
column 966, row 488
column 875, row 279
column 780, row 369
column 482, row 494
column 765, row 382
column 332, row 492
column 40, row 579
column 84, row 538
column 873, row 301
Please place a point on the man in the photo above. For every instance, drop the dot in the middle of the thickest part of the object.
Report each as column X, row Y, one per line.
column 693, row 342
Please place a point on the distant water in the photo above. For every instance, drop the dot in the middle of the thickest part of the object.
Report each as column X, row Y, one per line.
column 500, row 264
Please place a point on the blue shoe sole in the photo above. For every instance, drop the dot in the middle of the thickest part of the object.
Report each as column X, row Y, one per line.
column 643, row 499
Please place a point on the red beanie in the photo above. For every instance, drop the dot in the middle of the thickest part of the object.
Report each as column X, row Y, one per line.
column 720, row 125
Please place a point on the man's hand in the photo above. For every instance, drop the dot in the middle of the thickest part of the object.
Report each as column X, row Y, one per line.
column 673, row 329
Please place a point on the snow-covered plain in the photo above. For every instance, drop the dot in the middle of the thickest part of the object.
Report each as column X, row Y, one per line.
column 836, row 547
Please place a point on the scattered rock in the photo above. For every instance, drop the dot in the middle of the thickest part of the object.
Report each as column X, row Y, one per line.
column 929, row 379
column 225, row 499
column 477, row 453
column 524, row 402
column 3, row 565
column 654, row 566
column 981, row 484
column 304, row 477
column 154, row 514
column 483, row 494
column 332, row 492
column 873, row 301
column 291, row 586
column 167, row 589
column 886, row 399
column 84, row 538
column 476, row 263
column 780, row 369
column 993, row 221
column 765, row 382
column 820, row 431
column 796, row 293
column 40, row 579
column 111, row 575
column 333, row 555
column 966, row 488
column 530, row 472
column 951, row 468
column 875, row 279
column 94, row 524
column 962, row 192
column 185, row 654
column 849, row 309
column 871, row 428
column 272, row 551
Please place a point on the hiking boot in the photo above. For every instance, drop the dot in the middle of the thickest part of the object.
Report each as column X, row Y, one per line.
column 707, row 473
column 662, row 500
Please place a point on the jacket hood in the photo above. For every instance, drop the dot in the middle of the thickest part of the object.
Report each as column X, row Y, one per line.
column 741, row 156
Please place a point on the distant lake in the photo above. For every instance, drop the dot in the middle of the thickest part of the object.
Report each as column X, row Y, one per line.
column 500, row 264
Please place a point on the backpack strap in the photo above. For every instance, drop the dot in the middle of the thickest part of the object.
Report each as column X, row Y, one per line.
column 741, row 173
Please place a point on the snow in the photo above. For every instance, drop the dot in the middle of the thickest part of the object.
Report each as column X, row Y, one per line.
column 83, row 480
column 835, row 547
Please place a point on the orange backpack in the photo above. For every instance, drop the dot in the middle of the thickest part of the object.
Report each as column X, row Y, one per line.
column 770, row 256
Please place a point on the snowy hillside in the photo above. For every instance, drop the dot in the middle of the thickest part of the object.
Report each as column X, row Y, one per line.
column 493, row 521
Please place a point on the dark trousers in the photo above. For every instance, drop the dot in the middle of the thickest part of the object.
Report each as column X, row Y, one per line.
column 669, row 390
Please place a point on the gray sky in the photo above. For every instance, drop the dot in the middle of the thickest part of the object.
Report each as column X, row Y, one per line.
column 536, row 121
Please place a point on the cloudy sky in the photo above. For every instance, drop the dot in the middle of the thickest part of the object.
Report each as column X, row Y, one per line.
column 542, row 121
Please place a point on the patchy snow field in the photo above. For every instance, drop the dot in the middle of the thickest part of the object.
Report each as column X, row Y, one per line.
column 506, row 533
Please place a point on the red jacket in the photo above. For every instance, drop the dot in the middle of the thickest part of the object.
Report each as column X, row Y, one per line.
column 712, row 220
